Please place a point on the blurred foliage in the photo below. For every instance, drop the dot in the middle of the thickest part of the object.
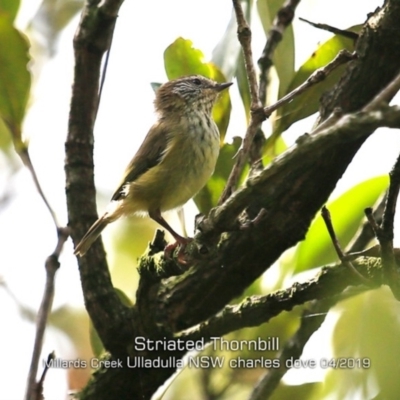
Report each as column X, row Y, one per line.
column 9, row 9
column 15, row 81
column 366, row 333
column 346, row 212
column 5, row 136
column 52, row 17
column 128, row 238
column 298, row 392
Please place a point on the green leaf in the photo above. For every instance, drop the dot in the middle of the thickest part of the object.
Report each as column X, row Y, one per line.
column 284, row 53
column 9, row 8
column 209, row 195
column 15, row 80
column 181, row 58
column 5, row 137
column 95, row 341
column 347, row 212
column 308, row 102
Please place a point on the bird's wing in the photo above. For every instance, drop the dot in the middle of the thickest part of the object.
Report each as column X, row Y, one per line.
column 149, row 155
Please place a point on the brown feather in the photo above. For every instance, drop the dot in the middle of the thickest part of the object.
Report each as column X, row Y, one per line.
column 148, row 156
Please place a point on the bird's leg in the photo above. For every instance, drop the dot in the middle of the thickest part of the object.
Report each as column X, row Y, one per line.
column 156, row 216
column 180, row 240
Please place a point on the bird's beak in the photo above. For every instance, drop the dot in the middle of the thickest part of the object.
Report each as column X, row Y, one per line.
column 219, row 87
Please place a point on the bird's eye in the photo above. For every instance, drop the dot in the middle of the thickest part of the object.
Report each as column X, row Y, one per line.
column 197, row 81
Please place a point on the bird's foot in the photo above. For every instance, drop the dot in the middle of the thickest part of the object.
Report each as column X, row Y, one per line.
column 181, row 243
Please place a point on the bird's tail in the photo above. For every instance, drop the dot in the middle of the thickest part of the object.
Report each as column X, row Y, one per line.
column 91, row 235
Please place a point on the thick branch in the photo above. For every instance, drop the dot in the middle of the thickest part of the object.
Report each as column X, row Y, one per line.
column 256, row 310
column 91, row 41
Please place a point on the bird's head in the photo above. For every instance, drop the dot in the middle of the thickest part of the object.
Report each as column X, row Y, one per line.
column 189, row 93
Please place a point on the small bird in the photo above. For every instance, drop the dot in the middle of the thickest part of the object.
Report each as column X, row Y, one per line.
column 175, row 160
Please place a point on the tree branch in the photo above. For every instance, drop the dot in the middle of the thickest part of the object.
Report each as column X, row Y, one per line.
column 256, row 114
column 91, row 41
column 316, row 77
column 385, row 232
column 329, row 28
column 282, row 20
column 52, row 265
column 256, row 310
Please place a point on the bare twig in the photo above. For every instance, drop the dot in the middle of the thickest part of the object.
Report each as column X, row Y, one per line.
column 104, row 74
column 326, row 215
column 317, row 76
column 257, row 116
column 390, row 208
column 366, row 234
column 283, row 19
column 39, row 386
column 244, row 36
column 52, row 264
column 329, row 28
column 385, row 232
column 26, row 159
